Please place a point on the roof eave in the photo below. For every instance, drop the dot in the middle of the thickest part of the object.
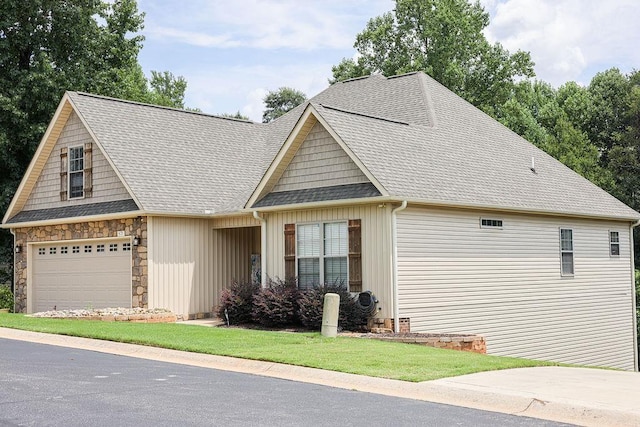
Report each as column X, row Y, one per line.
column 73, row 220
column 567, row 214
column 439, row 204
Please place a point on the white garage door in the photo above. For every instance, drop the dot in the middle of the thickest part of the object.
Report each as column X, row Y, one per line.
column 77, row 275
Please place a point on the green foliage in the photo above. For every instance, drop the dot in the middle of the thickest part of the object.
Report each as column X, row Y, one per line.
column 535, row 111
column 445, row 39
column 6, row 297
column 351, row 317
column 280, row 101
column 236, row 302
column 166, row 89
column 236, row 115
column 277, row 304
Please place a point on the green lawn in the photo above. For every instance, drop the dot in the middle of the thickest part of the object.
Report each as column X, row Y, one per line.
column 373, row 358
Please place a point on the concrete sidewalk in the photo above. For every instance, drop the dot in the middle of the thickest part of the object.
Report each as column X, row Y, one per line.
column 581, row 396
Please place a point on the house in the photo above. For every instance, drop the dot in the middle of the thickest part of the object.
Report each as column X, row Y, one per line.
column 391, row 184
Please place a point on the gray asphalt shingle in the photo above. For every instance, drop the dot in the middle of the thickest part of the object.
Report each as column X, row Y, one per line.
column 74, row 211
column 419, row 140
column 307, row 195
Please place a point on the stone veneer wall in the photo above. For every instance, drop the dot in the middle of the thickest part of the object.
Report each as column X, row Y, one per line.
column 85, row 230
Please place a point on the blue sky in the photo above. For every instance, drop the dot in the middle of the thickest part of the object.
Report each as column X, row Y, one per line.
column 232, row 52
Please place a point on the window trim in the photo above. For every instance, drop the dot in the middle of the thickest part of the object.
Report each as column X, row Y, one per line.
column 321, row 258
column 612, row 243
column 567, row 251
column 71, row 172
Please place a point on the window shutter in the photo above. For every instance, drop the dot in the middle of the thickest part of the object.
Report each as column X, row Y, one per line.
column 289, row 251
column 88, row 169
column 355, row 256
column 63, row 173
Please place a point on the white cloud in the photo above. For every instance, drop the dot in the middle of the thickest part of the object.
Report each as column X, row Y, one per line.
column 264, row 24
column 191, row 37
column 568, row 39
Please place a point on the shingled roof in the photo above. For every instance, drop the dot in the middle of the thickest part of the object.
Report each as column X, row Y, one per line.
column 442, row 150
column 419, row 140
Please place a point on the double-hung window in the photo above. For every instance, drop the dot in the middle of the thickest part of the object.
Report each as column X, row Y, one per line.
column 322, row 254
column 76, row 172
column 614, row 243
column 566, row 251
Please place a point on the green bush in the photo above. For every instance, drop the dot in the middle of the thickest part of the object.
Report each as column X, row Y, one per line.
column 236, row 302
column 277, row 304
column 351, row 316
column 6, row 297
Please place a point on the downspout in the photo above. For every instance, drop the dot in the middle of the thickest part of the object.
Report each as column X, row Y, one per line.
column 15, row 270
column 633, row 299
column 263, row 248
column 394, row 264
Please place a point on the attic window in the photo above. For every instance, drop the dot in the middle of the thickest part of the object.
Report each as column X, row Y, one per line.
column 490, row 223
column 76, row 172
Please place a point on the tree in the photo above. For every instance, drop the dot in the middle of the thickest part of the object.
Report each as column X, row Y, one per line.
column 535, row 114
column 609, row 92
column 166, row 89
column 49, row 46
column 280, row 101
column 236, row 115
column 443, row 38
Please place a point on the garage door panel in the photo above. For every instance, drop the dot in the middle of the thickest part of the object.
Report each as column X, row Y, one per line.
column 95, row 274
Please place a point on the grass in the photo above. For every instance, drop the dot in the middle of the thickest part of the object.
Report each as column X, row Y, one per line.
column 408, row 362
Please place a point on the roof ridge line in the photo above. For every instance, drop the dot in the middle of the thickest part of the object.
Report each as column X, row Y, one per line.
column 161, row 107
column 410, row 73
column 364, row 115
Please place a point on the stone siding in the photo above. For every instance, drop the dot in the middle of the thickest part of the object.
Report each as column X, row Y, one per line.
column 85, row 230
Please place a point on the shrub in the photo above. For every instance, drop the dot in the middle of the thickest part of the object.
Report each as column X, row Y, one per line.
column 6, row 297
column 351, row 316
column 277, row 304
column 237, row 302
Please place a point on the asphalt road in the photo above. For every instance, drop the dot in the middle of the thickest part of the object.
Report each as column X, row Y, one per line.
column 43, row 385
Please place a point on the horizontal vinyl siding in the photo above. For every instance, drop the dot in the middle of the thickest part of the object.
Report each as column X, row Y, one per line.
column 505, row 283
column 106, row 184
column 376, row 245
column 320, row 162
column 180, row 267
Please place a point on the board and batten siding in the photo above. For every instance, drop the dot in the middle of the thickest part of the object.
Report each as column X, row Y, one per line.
column 106, row 184
column 180, row 266
column 456, row 277
column 319, row 162
column 231, row 256
column 376, row 244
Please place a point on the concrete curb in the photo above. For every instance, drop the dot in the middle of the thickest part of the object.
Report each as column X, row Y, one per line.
column 446, row 391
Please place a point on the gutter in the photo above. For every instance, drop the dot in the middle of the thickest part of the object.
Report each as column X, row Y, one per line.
column 394, row 264
column 263, row 248
column 634, row 301
column 438, row 204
